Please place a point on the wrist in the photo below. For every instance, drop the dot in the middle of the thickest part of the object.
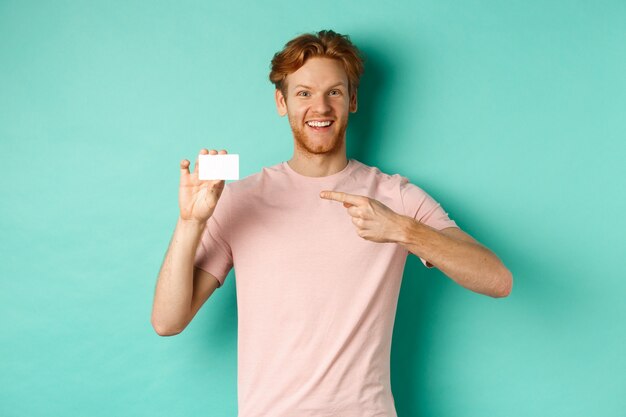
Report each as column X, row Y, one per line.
column 412, row 232
column 191, row 224
column 401, row 230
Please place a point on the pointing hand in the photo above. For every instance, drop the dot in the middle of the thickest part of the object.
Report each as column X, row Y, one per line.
column 374, row 221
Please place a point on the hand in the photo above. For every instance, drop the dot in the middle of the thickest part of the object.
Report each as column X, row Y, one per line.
column 197, row 198
column 374, row 221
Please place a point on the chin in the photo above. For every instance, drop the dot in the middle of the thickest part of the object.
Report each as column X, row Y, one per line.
column 319, row 149
column 314, row 147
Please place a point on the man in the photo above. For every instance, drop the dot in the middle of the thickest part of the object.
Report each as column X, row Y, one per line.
column 318, row 244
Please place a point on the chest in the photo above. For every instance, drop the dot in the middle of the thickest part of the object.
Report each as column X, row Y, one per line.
column 302, row 229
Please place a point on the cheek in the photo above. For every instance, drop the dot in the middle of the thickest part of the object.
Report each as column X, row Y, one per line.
column 300, row 114
column 342, row 108
column 296, row 112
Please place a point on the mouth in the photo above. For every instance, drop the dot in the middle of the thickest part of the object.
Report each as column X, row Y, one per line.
column 320, row 125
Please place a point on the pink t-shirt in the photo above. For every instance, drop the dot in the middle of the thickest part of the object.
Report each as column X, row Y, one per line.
column 316, row 302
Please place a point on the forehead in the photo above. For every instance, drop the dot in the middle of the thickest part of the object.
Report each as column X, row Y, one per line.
column 318, row 73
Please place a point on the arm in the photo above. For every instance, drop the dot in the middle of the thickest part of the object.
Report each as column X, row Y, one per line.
column 451, row 250
column 456, row 254
column 181, row 289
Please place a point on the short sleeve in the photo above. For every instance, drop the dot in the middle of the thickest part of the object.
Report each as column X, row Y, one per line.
column 423, row 208
column 214, row 254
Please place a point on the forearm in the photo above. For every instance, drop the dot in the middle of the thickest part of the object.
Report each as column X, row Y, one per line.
column 174, row 288
column 470, row 264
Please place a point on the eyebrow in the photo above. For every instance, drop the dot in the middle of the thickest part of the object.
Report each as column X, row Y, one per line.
column 332, row 86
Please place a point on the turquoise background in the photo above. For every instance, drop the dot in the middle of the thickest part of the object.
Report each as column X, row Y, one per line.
column 510, row 114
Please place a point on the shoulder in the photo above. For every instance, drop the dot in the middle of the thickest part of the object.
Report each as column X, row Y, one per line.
column 406, row 195
column 375, row 183
column 374, row 174
column 394, row 180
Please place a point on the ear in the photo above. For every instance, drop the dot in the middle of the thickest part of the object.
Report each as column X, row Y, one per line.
column 281, row 104
column 353, row 101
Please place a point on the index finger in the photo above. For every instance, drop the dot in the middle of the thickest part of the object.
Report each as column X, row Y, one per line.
column 342, row 197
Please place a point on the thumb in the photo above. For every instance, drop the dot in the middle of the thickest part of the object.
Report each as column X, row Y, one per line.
column 184, row 167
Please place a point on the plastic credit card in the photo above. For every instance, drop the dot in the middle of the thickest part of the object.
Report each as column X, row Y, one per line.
column 218, row 167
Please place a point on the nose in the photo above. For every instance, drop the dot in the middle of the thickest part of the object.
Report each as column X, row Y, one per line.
column 321, row 104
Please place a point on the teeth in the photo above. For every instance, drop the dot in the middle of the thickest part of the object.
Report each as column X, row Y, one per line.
column 319, row 124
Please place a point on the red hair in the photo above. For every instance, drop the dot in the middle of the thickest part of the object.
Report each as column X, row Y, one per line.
column 325, row 44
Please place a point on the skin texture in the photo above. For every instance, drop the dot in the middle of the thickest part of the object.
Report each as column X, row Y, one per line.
column 318, row 91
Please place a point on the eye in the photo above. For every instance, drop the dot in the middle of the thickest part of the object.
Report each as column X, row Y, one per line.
column 303, row 93
column 337, row 92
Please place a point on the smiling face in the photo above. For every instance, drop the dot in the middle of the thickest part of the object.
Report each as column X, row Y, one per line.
column 317, row 103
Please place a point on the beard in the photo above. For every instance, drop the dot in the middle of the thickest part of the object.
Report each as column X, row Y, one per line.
column 308, row 145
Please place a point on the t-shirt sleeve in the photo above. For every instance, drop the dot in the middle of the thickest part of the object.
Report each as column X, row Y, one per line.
column 423, row 208
column 214, row 254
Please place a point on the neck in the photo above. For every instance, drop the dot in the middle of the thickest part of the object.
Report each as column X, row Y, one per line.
column 312, row 165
